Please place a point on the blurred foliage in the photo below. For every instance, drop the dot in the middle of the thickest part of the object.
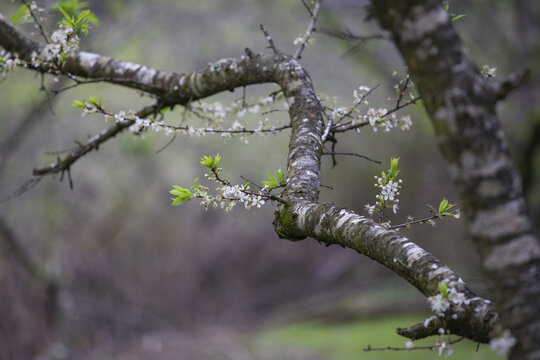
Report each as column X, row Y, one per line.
column 348, row 341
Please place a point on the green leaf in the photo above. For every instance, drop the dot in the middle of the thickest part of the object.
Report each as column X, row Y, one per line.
column 457, row 17
column 268, row 184
column 74, row 7
column 182, row 195
column 394, row 163
column 207, row 161
column 281, row 177
column 442, row 205
column 22, row 15
column 273, row 179
column 78, row 103
column 67, row 15
column 444, row 288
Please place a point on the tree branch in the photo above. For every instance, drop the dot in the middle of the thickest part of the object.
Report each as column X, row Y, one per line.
column 332, row 224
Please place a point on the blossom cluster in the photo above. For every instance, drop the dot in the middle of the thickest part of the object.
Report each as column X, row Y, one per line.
column 488, row 72
column 305, row 38
column 238, row 193
column 214, row 114
column 389, row 186
column 360, row 94
column 442, row 345
column 448, row 299
column 63, row 42
column 380, row 118
column 229, row 196
column 503, row 344
column 8, row 62
column 451, row 300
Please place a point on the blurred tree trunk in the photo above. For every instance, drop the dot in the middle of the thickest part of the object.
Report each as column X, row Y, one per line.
column 461, row 104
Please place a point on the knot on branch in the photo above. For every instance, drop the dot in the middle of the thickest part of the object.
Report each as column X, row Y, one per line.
column 285, row 223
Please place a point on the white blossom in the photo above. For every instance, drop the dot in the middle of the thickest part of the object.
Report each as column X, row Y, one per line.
column 503, row 344
column 369, row 208
column 443, row 347
column 439, row 304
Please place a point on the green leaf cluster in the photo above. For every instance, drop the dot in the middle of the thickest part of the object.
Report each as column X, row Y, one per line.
column 275, row 181
column 21, row 16
column 184, row 195
column 97, row 102
column 80, row 24
column 443, row 209
column 74, row 7
column 392, row 172
column 211, row 162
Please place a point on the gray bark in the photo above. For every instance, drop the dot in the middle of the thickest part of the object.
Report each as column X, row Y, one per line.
column 461, row 105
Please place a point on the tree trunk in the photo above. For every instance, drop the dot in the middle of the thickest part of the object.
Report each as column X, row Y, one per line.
column 461, row 104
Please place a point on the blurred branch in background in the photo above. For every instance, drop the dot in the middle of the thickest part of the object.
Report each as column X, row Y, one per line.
column 47, row 282
column 11, row 141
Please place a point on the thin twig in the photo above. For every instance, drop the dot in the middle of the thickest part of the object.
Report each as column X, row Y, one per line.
column 309, row 30
column 221, row 131
column 38, row 24
column 423, row 220
column 307, row 8
column 432, row 347
column 167, row 144
column 269, row 39
column 94, row 143
column 27, row 185
column 251, row 182
column 351, row 154
column 350, row 37
column 249, row 193
column 364, row 96
column 347, row 127
column 77, row 83
column 328, row 126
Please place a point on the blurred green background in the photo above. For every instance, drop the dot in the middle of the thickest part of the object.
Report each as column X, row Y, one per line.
column 136, row 278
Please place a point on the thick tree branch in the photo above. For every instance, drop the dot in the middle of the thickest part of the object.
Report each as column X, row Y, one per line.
column 332, row 224
column 170, row 87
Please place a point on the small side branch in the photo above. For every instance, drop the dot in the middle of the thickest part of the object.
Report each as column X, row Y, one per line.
column 370, row 348
column 309, row 30
column 512, row 82
column 271, row 44
column 352, row 154
column 64, row 164
column 36, row 21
